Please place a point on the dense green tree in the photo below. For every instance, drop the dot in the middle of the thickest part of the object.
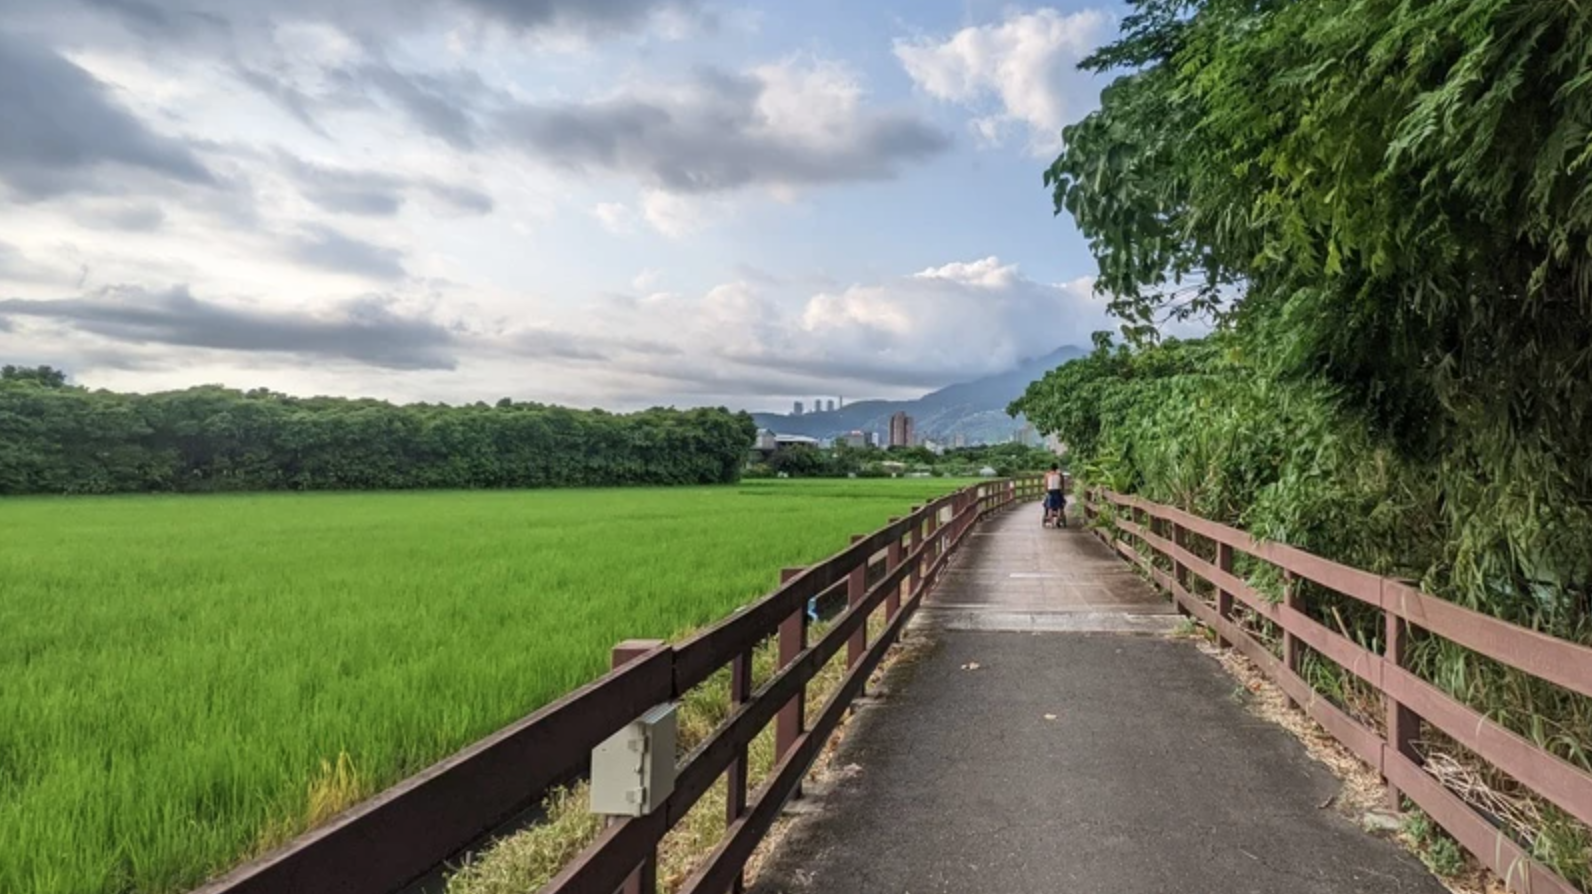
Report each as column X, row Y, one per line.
column 1390, row 201
column 47, row 376
column 1385, row 207
column 55, row 438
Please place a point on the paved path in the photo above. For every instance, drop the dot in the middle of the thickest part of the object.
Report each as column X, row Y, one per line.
column 1151, row 777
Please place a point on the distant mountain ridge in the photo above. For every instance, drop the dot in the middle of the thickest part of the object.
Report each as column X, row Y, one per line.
column 976, row 409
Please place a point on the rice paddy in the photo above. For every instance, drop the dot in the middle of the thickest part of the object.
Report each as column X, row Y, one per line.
column 188, row 681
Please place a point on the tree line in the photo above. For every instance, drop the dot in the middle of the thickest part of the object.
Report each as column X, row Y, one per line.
column 56, row 438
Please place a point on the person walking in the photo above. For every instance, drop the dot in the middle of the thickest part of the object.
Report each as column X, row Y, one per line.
column 1055, row 497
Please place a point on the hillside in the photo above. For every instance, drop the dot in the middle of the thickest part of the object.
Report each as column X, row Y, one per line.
column 975, row 409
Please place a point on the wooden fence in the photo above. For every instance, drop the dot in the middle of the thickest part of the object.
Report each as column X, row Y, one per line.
column 1144, row 532
column 411, row 829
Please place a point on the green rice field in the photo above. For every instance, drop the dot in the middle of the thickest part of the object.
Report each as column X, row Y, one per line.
column 187, row 681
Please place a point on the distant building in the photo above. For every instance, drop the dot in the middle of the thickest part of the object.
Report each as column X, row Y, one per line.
column 857, row 440
column 900, row 430
column 1026, row 436
column 797, row 411
column 958, row 440
column 770, row 443
column 829, row 406
column 934, row 447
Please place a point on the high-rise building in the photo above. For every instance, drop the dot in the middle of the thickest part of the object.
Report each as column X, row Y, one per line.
column 797, row 411
column 900, row 430
column 829, row 406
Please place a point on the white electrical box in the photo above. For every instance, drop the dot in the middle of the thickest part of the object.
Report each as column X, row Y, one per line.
column 632, row 773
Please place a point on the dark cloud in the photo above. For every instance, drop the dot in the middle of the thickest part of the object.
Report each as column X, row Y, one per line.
column 162, row 20
column 716, row 137
column 463, row 198
column 137, row 217
column 374, row 194
column 579, row 15
column 227, row 20
column 330, row 249
column 442, row 104
column 546, row 343
column 298, row 103
column 348, row 192
column 447, row 105
column 648, row 346
column 60, row 125
column 543, row 344
column 365, row 330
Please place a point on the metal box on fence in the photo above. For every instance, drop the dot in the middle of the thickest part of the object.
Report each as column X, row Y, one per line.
column 632, row 773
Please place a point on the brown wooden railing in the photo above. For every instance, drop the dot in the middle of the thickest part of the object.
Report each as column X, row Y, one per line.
column 1143, row 531
column 409, row 830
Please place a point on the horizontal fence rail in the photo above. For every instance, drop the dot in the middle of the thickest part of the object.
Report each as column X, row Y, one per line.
column 410, row 830
column 1143, row 531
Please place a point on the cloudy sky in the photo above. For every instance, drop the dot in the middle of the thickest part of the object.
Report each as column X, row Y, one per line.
column 594, row 202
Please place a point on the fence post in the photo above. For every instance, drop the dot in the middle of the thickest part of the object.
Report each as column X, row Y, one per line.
column 915, row 537
column 933, row 543
column 792, row 640
column 856, row 589
column 1179, row 570
column 1292, row 650
column 1403, row 725
column 735, row 776
column 645, row 879
column 1224, row 599
column 892, row 600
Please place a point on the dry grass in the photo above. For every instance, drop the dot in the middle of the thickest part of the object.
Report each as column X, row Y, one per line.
column 337, row 787
column 1363, row 794
column 527, row 860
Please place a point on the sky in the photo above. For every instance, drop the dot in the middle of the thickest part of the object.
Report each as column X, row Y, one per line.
column 616, row 203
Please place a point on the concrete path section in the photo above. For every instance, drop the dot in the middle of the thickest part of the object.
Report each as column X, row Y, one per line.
column 1014, row 574
column 1028, row 763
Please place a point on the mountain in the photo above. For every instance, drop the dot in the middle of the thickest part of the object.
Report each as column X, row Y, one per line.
column 975, row 409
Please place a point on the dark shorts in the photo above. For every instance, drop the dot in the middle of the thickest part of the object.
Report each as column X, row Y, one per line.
column 1054, row 501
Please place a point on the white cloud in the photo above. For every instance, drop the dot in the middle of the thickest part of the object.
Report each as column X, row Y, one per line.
column 798, row 122
column 911, row 332
column 741, row 342
column 616, row 217
column 1018, row 72
column 677, row 216
column 971, row 317
column 647, row 280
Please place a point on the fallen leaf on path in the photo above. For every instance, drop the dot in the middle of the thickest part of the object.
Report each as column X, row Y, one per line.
column 1050, row 717
column 970, row 666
